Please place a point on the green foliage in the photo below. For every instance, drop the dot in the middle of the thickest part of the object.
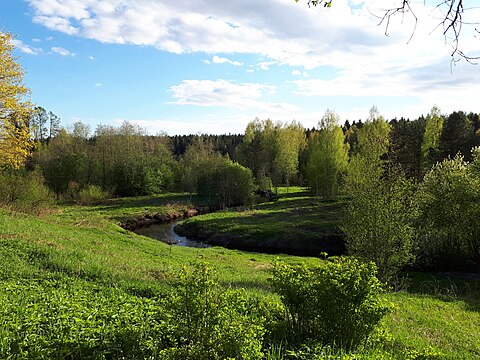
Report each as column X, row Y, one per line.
column 207, row 322
column 379, row 218
column 227, row 184
column 336, row 304
column 63, row 320
column 431, row 139
column 92, row 194
column 379, row 221
column 327, row 157
column 24, row 191
column 272, row 149
column 290, row 142
column 448, row 199
column 458, row 135
column 264, row 184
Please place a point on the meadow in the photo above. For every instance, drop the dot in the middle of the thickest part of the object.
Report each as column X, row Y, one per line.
column 77, row 285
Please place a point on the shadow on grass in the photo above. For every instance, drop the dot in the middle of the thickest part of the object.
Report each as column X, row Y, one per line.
column 448, row 287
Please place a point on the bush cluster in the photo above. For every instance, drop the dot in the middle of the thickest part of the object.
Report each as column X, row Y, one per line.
column 334, row 304
column 23, row 190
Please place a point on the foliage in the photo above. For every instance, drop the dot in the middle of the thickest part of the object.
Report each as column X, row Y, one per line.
column 458, row 136
column 448, row 199
column 337, row 303
column 121, row 161
column 431, row 139
column 272, row 149
column 24, row 191
column 291, row 141
column 379, row 218
column 72, row 283
column 15, row 144
column 64, row 320
column 210, row 323
column 379, row 222
column 327, row 157
column 257, row 152
column 215, row 177
column 227, row 184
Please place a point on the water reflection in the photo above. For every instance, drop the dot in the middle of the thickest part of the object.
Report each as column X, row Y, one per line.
column 165, row 233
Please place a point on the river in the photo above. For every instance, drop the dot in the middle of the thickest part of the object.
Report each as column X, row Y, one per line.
column 165, row 232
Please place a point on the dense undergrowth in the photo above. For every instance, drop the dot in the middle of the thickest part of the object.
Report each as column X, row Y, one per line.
column 75, row 285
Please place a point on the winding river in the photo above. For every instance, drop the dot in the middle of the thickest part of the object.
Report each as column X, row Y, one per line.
column 166, row 233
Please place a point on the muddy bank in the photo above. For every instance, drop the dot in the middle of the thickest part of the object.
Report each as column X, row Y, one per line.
column 151, row 219
column 332, row 243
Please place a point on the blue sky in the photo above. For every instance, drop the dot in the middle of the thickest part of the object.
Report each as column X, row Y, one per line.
column 211, row 66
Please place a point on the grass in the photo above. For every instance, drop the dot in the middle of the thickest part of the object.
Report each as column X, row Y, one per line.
column 73, row 273
column 295, row 217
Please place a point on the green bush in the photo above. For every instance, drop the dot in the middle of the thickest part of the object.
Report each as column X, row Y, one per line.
column 24, row 191
column 448, row 227
column 227, row 184
column 92, row 193
column 334, row 304
column 208, row 323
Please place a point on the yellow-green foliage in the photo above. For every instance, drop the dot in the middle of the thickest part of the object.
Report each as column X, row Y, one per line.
column 15, row 141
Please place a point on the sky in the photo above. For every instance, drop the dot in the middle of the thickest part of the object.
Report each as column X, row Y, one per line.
column 211, row 66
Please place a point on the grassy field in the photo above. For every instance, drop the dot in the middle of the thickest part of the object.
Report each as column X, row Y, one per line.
column 301, row 223
column 74, row 284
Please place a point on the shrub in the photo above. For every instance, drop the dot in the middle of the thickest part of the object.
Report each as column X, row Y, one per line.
column 227, row 184
column 92, row 193
column 335, row 304
column 24, row 190
column 449, row 231
column 208, row 323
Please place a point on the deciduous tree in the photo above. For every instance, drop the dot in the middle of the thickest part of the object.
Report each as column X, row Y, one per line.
column 15, row 142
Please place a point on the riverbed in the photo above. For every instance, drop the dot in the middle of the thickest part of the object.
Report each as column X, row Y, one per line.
column 166, row 233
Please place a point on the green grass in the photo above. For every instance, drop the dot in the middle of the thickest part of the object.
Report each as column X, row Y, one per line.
column 296, row 216
column 74, row 280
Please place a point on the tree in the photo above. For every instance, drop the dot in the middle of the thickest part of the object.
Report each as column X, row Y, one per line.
column 378, row 224
column 38, row 123
column 431, row 139
column 290, row 141
column 327, row 157
column 259, row 148
column 15, row 144
column 54, row 124
column 457, row 136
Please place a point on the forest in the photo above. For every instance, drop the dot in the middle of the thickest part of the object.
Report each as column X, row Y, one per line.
column 401, row 196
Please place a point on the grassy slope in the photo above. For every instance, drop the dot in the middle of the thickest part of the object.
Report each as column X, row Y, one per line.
column 60, row 264
column 296, row 215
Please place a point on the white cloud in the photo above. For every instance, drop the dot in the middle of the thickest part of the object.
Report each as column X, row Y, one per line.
column 61, row 51
column 297, row 72
column 27, row 49
column 97, row 85
column 222, row 60
column 279, row 30
column 224, row 93
column 91, row 58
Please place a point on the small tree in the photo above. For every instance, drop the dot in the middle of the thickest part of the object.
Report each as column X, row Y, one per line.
column 379, row 218
column 327, row 157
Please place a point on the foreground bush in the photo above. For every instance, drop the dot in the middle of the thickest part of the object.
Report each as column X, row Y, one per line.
column 335, row 304
column 209, row 323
